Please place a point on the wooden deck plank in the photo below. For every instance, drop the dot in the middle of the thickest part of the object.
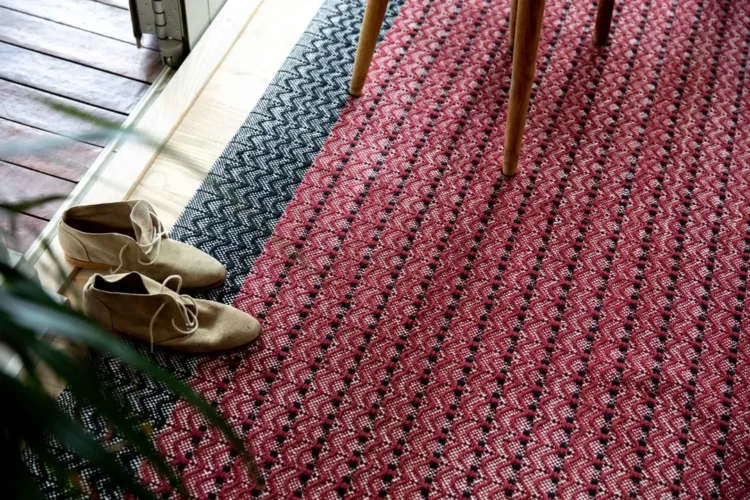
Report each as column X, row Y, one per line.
column 70, row 80
column 20, row 237
column 21, row 184
column 68, row 160
column 36, row 108
column 78, row 46
column 102, row 19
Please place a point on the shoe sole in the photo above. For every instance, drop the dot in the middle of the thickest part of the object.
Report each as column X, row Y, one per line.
column 94, row 266
column 87, row 265
column 210, row 286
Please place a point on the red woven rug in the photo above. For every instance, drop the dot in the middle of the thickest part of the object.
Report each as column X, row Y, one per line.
column 431, row 328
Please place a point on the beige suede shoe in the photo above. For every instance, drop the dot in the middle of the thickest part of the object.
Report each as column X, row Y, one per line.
column 128, row 236
column 132, row 304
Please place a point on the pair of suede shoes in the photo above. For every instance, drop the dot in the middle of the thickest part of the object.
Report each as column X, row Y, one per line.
column 142, row 298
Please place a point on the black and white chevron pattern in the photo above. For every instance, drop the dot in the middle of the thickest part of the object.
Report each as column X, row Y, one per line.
column 235, row 210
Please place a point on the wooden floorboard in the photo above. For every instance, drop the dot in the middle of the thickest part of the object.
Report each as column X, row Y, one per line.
column 66, row 79
column 20, row 235
column 68, row 159
column 70, row 71
column 94, row 17
column 21, row 184
column 78, row 46
column 62, row 116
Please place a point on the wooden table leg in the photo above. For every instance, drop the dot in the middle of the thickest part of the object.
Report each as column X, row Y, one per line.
column 368, row 38
column 512, row 31
column 603, row 21
column 528, row 30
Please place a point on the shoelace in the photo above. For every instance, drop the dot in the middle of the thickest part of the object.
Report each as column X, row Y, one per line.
column 190, row 317
column 154, row 245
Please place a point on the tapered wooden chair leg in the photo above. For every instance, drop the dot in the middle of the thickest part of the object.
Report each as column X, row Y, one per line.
column 603, row 21
column 368, row 38
column 528, row 30
column 512, row 30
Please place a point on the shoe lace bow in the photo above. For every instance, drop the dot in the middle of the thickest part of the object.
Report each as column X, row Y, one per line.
column 186, row 306
column 151, row 247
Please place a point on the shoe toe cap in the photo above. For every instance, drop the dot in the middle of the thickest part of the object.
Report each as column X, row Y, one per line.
column 241, row 328
column 231, row 328
column 200, row 271
column 222, row 327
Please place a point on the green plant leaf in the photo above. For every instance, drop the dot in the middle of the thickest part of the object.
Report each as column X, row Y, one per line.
column 110, row 409
column 40, row 147
column 106, row 130
column 15, row 340
column 82, row 115
column 58, row 472
column 34, row 411
column 84, row 384
column 27, row 305
column 23, row 485
column 24, row 205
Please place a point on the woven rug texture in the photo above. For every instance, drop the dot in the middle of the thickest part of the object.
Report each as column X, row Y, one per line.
column 432, row 328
